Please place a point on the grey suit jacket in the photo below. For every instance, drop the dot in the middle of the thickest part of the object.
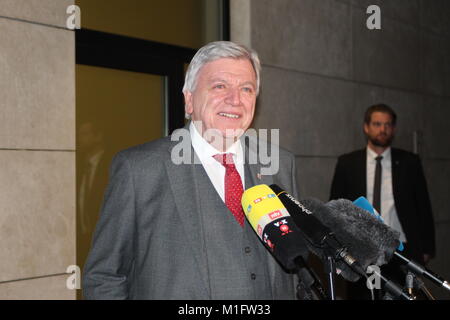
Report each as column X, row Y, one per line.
column 148, row 240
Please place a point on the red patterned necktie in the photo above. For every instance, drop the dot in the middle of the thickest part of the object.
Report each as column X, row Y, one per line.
column 233, row 186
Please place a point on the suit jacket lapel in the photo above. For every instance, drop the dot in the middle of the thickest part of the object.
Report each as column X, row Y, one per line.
column 361, row 171
column 253, row 175
column 395, row 165
column 185, row 192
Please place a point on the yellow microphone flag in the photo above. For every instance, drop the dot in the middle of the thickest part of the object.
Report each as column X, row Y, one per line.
column 261, row 206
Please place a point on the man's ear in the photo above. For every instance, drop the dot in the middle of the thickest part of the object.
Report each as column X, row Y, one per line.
column 366, row 128
column 188, row 105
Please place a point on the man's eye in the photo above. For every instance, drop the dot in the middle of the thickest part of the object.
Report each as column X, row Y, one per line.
column 247, row 89
column 219, row 86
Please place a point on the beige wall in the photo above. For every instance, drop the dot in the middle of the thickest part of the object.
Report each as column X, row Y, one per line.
column 37, row 149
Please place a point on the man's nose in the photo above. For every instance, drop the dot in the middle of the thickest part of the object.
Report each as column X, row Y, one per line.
column 233, row 97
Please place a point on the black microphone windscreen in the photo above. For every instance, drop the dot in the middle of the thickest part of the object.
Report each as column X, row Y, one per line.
column 369, row 240
column 327, row 218
column 283, row 240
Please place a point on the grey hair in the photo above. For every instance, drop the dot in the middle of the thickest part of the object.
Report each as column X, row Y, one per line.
column 214, row 51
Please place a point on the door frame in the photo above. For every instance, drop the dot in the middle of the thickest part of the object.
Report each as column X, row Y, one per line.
column 102, row 49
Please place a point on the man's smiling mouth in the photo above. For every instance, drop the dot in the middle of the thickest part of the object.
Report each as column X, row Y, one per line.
column 229, row 115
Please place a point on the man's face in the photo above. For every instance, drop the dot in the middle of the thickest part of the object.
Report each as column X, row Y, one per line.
column 380, row 131
column 224, row 97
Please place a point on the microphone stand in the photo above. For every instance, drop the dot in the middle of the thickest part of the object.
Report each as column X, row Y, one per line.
column 421, row 286
column 420, row 270
column 309, row 281
column 392, row 288
column 330, row 269
column 414, row 282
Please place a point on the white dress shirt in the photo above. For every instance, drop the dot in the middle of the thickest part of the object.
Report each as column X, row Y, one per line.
column 387, row 205
column 214, row 169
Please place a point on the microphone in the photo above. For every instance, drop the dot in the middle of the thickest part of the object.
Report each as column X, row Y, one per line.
column 363, row 203
column 370, row 240
column 322, row 241
column 411, row 265
column 275, row 228
column 365, row 251
column 274, row 225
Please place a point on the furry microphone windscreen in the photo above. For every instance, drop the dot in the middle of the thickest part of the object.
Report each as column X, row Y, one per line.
column 329, row 219
column 369, row 240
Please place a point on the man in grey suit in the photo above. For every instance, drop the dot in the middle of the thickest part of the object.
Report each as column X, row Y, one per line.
column 168, row 230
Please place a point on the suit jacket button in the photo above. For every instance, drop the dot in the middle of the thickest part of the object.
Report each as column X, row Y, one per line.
column 248, row 249
column 253, row 276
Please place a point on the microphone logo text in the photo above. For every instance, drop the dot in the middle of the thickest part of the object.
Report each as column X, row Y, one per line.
column 298, row 203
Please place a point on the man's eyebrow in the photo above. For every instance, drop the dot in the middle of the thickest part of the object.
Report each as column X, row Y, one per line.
column 217, row 79
column 249, row 82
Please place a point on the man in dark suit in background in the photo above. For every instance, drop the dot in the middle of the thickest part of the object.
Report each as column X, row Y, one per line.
column 171, row 230
column 394, row 182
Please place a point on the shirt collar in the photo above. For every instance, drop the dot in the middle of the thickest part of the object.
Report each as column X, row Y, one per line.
column 205, row 151
column 386, row 154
